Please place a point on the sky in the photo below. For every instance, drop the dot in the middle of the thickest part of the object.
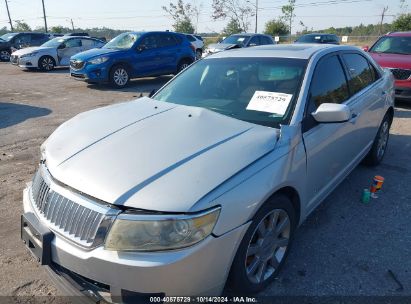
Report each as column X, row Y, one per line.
column 148, row 15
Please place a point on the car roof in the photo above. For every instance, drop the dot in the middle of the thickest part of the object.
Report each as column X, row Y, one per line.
column 247, row 34
column 318, row 34
column 299, row 51
column 400, row 34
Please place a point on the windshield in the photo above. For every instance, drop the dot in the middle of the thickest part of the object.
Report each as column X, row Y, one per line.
column 309, row 39
column 8, row 37
column 236, row 39
column 55, row 43
column 258, row 90
column 393, row 45
column 122, row 41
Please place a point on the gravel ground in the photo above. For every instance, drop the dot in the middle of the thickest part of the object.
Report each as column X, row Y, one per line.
column 345, row 248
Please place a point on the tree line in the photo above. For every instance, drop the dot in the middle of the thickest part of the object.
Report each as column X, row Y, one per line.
column 238, row 14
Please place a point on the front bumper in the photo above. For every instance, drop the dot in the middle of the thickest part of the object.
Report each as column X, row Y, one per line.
column 91, row 74
column 25, row 62
column 198, row 270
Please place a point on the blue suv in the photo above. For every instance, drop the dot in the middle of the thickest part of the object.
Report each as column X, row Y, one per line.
column 133, row 55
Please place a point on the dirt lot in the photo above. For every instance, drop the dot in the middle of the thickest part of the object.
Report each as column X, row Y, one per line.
column 345, row 248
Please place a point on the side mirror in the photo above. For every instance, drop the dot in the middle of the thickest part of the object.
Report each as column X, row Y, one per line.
column 141, row 48
column 366, row 48
column 332, row 113
column 62, row 46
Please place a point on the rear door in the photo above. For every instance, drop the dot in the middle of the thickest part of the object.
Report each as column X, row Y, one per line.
column 71, row 47
column 170, row 50
column 368, row 98
column 329, row 146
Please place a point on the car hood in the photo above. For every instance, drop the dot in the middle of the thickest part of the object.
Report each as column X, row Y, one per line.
column 153, row 155
column 392, row 60
column 86, row 55
column 218, row 47
column 32, row 49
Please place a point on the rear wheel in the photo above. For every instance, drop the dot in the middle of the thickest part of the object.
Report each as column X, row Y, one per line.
column 377, row 152
column 265, row 246
column 199, row 54
column 4, row 55
column 46, row 63
column 183, row 64
column 119, row 76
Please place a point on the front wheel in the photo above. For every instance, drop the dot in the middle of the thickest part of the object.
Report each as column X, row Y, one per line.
column 379, row 146
column 46, row 63
column 265, row 246
column 119, row 76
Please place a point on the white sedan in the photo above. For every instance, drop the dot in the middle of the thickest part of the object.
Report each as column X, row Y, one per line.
column 55, row 52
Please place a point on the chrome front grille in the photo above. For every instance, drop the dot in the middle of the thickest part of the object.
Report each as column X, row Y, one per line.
column 76, row 64
column 78, row 223
column 401, row 74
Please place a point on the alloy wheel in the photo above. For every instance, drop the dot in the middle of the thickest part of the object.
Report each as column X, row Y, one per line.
column 268, row 246
column 120, row 77
column 5, row 55
column 383, row 139
column 47, row 64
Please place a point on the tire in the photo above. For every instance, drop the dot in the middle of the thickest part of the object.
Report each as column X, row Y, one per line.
column 4, row 55
column 46, row 63
column 256, row 247
column 199, row 54
column 183, row 64
column 379, row 146
column 119, row 76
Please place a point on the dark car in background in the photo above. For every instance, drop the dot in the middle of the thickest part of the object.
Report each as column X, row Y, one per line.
column 393, row 51
column 133, row 55
column 14, row 41
column 318, row 38
column 238, row 41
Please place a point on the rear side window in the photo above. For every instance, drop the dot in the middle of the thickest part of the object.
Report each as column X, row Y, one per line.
column 167, row 40
column 190, row 38
column 73, row 43
column 328, row 84
column 360, row 73
column 266, row 40
column 88, row 43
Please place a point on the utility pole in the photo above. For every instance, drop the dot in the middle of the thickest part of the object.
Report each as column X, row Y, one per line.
column 384, row 10
column 44, row 14
column 256, row 15
column 8, row 13
column 72, row 24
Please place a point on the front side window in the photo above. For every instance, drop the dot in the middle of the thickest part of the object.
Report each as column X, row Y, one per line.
column 392, row 45
column 360, row 74
column 328, row 84
column 258, row 90
column 150, row 42
column 254, row 41
column 22, row 39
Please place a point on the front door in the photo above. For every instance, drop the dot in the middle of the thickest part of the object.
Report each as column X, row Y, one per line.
column 329, row 146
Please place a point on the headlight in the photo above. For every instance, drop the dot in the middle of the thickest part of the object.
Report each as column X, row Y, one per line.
column 29, row 55
column 144, row 232
column 98, row 60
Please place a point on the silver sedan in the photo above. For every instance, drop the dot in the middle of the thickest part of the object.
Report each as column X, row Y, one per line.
column 206, row 181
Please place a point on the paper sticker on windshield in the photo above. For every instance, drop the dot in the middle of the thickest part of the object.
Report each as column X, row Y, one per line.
column 271, row 102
